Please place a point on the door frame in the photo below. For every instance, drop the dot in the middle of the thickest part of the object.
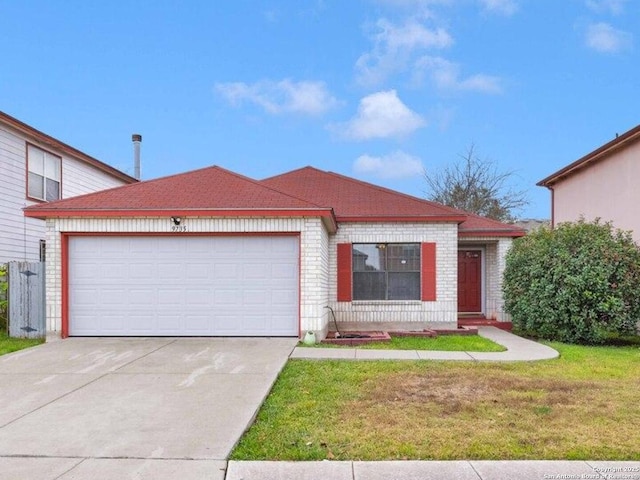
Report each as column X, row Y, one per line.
column 483, row 289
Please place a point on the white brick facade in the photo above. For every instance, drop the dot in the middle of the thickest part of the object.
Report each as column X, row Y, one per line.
column 318, row 266
column 313, row 254
column 441, row 313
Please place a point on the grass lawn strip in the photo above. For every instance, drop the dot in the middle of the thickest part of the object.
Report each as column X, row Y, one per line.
column 583, row 405
column 8, row 344
column 449, row 343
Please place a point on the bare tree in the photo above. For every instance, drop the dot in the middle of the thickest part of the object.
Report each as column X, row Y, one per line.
column 477, row 186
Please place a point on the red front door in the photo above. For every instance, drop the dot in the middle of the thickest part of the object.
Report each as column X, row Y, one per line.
column 469, row 281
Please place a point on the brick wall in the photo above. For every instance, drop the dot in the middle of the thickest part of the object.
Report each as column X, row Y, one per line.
column 314, row 269
column 441, row 313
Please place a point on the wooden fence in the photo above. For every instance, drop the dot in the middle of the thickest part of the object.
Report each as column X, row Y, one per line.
column 26, row 299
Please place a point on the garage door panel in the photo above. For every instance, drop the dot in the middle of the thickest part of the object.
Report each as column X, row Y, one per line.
column 232, row 286
column 283, row 271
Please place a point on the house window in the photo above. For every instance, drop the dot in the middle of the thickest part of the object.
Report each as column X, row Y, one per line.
column 43, row 179
column 43, row 250
column 386, row 271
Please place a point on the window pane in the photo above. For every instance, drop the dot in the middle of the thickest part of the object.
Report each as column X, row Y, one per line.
column 404, row 286
column 36, row 160
column 369, row 286
column 403, row 257
column 53, row 190
column 36, row 186
column 52, row 167
column 368, row 257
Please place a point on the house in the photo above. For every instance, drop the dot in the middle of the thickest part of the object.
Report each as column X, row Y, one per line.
column 602, row 184
column 211, row 252
column 37, row 168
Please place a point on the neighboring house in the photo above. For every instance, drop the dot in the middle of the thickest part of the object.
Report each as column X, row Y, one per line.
column 602, row 184
column 531, row 224
column 211, row 252
column 36, row 168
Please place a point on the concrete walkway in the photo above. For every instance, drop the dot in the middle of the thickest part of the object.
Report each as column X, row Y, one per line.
column 415, row 470
column 518, row 350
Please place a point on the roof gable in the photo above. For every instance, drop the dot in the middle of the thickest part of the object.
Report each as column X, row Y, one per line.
column 599, row 154
column 51, row 142
column 353, row 199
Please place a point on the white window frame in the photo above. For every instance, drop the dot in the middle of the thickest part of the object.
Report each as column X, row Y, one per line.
column 48, row 168
column 384, row 246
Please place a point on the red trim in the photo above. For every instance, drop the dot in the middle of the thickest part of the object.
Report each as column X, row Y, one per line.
column 344, row 272
column 404, row 219
column 64, row 252
column 183, row 234
column 429, row 272
column 492, row 233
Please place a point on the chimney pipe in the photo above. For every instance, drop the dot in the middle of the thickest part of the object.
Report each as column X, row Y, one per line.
column 137, row 139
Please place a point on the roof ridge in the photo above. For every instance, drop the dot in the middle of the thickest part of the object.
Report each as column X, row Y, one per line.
column 259, row 183
column 446, row 208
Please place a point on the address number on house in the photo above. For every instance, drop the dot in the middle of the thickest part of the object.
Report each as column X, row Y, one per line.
column 179, row 228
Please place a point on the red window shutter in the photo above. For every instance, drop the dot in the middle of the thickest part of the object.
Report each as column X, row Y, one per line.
column 428, row 257
column 344, row 272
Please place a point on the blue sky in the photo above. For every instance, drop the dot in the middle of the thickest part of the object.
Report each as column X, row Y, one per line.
column 381, row 90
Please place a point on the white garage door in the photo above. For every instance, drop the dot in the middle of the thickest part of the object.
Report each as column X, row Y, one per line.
column 181, row 286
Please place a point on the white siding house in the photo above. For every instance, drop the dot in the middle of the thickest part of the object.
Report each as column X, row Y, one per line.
column 57, row 171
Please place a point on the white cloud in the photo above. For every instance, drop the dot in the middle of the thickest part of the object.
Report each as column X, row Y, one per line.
column 504, row 7
column 381, row 115
column 603, row 38
column 395, row 46
column 395, row 165
column 285, row 96
column 614, row 7
column 446, row 76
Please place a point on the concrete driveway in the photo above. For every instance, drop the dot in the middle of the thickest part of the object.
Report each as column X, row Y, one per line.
column 157, row 408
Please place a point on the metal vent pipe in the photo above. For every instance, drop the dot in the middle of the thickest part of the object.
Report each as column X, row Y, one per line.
column 137, row 140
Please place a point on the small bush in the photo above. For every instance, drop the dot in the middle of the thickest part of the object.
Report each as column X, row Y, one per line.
column 578, row 283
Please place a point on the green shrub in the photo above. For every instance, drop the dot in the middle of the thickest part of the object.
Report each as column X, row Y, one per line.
column 578, row 283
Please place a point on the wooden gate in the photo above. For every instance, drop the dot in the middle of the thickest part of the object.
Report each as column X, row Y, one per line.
column 26, row 300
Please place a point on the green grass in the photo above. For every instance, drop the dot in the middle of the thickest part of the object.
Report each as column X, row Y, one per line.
column 583, row 405
column 8, row 345
column 450, row 343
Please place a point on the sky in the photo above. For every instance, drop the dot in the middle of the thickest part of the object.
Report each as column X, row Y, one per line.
column 385, row 91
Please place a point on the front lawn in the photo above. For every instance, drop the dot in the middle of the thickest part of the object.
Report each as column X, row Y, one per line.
column 8, row 344
column 584, row 405
column 449, row 343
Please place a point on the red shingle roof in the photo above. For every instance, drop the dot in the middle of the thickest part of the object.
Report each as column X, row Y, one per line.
column 354, row 200
column 308, row 191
